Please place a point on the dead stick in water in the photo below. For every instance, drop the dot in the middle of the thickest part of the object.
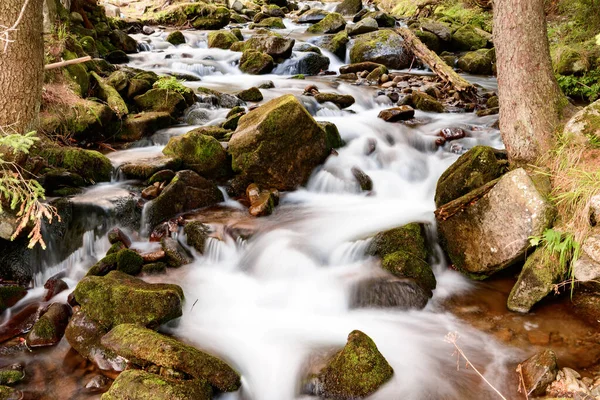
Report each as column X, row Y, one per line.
column 437, row 65
column 68, row 62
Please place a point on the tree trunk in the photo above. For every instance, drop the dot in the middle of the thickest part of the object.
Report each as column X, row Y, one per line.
column 21, row 66
column 531, row 102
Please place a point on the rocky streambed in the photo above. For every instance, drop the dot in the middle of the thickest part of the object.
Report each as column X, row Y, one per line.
column 266, row 227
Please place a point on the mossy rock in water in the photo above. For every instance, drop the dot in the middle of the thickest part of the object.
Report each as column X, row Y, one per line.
column 256, row 62
column 144, row 124
column 429, row 39
column 252, row 94
column 111, row 96
column 384, row 20
column 142, row 346
column 142, row 385
column 129, row 261
column 176, row 38
column 541, row 272
column 336, row 44
column 269, row 23
column 274, row 45
column 404, row 264
column 221, row 39
column 8, row 393
column 200, row 153
column 104, row 266
column 10, row 295
column 49, row 329
column 472, row 170
column 201, row 15
column 480, row 62
column 154, row 268
column 340, row 100
column 115, row 248
column 409, row 238
column 357, row 371
column 278, row 144
column 424, row 102
column 349, row 7
column 332, row 23
column 11, row 374
column 232, row 122
column 383, row 47
column 89, row 164
column 468, row 38
column 123, row 41
column 187, row 191
column 160, row 99
column 196, row 233
column 212, row 131
column 333, row 139
column 118, row 298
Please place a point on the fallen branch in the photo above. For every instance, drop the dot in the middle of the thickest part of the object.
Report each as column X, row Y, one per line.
column 68, row 62
column 452, row 337
column 437, row 65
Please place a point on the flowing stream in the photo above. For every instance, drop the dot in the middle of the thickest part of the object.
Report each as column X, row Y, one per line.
column 270, row 304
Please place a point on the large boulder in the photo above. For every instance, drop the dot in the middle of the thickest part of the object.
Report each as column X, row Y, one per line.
column 160, row 99
column 363, row 26
column 200, row 153
column 276, row 46
column 479, row 62
column 89, row 164
column 335, row 44
column 200, row 15
column 143, row 346
column 349, row 7
column 256, row 62
column 278, row 144
column 469, row 38
column 489, row 228
column 384, row 20
column 144, row 124
column 472, row 170
column 221, row 39
column 118, row 298
column 313, row 16
column 355, row 372
column 187, row 191
column 332, row 23
column 139, row 384
column 312, row 63
column 538, row 372
column 541, row 272
column 384, row 47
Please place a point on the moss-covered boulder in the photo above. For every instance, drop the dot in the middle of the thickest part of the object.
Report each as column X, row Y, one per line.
column 160, row 99
column 332, row 23
column 144, row 124
column 187, row 191
column 142, row 346
column 104, row 265
column 489, row 228
column 340, row 100
column 252, row 94
column 384, row 47
column 10, row 294
column 570, row 61
column 313, row 16
column 424, row 102
column 363, row 26
column 49, row 329
column 109, row 94
column 200, row 15
column 480, row 62
column 8, row 393
column 278, row 144
column 196, row 233
column 349, row 7
column 118, row 298
column 276, row 46
column 129, row 262
column 336, row 44
column 146, row 167
column 256, row 62
column 176, row 38
column 89, row 164
column 429, row 39
column 140, row 385
column 541, row 272
column 221, row 39
column 468, row 38
column 269, row 23
column 123, row 41
column 357, row 371
column 213, row 131
column 312, row 64
column 200, row 153
column 472, row 170
column 11, row 374
column 383, row 19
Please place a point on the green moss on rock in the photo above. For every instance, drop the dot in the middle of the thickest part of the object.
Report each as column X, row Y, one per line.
column 468, row 38
column 256, row 62
column 129, row 262
column 332, row 23
column 161, row 99
column 142, row 346
column 196, row 233
column 357, row 371
column 253, row 94
column 154, row 268
column 424, row 102
column 200, row 153
column 221, row 39
column 110, row 95
column 89, row 164
column 480, row 62
column 176, row 38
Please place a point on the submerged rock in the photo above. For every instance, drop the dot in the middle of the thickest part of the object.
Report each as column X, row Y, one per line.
column 488, row 229
column 278, row 144
column 138, row 384
column 187, row 191
column 384, row 47
column 118, row 298
column 357, row 371
column 142, row 346
column 538, row 372
column 402, row 294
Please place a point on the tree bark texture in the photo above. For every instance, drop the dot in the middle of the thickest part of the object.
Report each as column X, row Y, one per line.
column 531, row 102
column 21, row 66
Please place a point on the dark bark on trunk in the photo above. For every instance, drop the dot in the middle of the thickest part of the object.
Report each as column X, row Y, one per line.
column 22, row 66
column 531, row 102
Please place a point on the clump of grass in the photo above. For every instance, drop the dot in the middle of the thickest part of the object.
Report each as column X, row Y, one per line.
column 559, row 246
column 170, row 83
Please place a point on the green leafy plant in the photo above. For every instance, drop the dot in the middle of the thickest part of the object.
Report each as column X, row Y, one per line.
column 20, row 194
column 170, row 83
column 585, row 87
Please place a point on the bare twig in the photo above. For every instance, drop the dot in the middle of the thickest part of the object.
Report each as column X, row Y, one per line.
column 68, row 62
column 522, row 388
column 6, row 31
column 452, row 338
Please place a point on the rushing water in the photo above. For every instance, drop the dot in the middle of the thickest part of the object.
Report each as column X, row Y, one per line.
column 270, row 304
